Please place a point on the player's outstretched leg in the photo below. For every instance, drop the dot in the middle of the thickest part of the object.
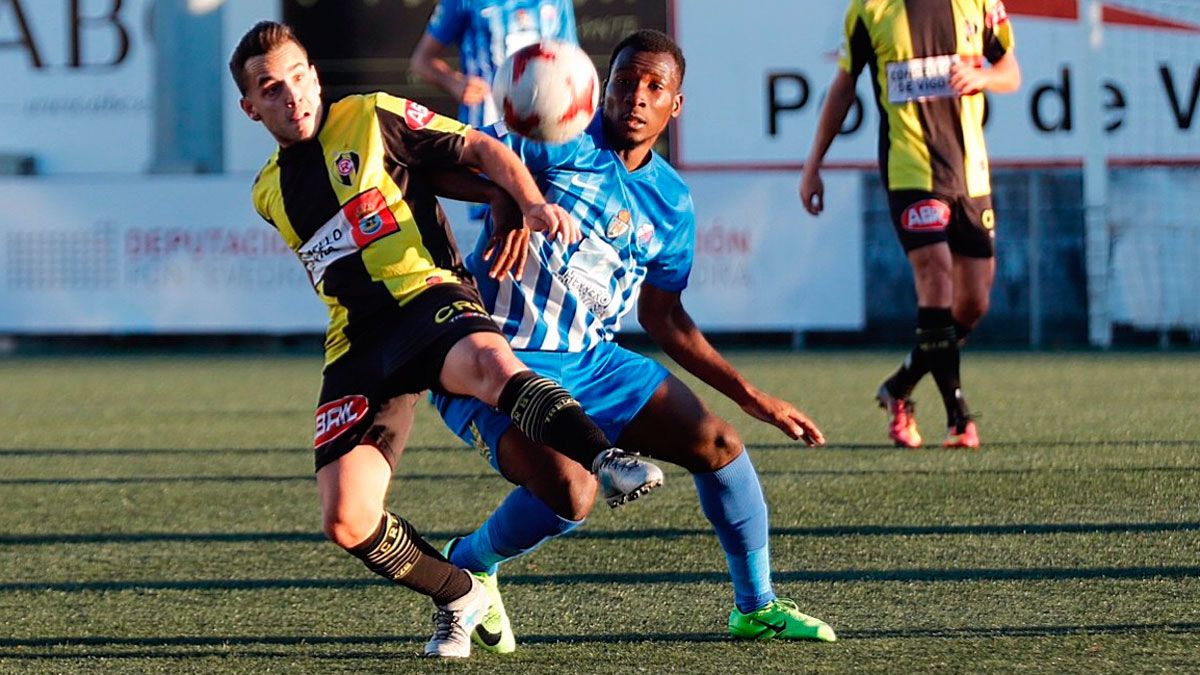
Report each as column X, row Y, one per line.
column 519, row 525
column 494, row 631
column 549, row 415
column 732, row 500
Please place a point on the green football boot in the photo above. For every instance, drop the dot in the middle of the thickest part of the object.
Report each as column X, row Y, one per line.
column 779, row 620
column 493, row 634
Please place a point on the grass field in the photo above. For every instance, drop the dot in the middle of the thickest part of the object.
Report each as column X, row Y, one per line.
column 159, row 515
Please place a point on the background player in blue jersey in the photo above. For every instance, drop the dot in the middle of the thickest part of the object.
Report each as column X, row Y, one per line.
column 485, row 32
column 638, row 228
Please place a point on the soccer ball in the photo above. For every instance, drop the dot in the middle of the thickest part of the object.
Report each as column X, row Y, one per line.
column 547, row 91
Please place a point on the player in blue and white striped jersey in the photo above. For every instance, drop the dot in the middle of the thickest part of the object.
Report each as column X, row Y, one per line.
column 485, row 32
column 638, row 226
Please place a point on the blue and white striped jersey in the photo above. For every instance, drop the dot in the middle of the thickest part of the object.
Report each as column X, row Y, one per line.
column 487, row 31
column 637, row 227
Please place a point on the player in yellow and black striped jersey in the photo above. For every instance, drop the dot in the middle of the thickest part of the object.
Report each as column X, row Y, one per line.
column 926, row 62
column 351, row 190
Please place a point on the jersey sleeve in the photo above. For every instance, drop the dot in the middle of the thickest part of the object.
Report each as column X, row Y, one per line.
column 997, row 30
column 566, row 22
column 855, row 51
column 535, row 155
column 414, row 135
column 669, row 269
column 448, row 22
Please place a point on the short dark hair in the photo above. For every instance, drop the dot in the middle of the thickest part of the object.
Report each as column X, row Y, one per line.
column 654, row 41
column 258, row 41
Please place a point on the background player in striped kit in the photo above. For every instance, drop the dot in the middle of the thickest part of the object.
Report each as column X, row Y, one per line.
column 638, row 222
column 926, row 59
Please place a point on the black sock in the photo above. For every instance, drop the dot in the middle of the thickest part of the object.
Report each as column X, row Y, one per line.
column 961, row 331
column 937, row 338
column 396, row 552
column 548, row 415
column 911, row 370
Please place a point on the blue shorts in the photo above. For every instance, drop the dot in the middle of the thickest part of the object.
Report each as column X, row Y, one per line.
column 612, row 384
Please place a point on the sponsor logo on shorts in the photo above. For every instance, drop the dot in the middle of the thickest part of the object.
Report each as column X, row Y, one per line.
column 417, row 116
column 929, row 215
column 459, row 309
column 481, row 446
column 335, row 417
column 988, row 218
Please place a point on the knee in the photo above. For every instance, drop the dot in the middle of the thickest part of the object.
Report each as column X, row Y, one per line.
column 576, row 498
column 969, row 311
column 717, row 445
column 348, row 529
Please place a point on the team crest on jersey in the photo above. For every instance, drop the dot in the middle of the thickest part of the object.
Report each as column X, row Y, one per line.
column 417, row 116
column 928, row 215
column 645, row 234
column 619, row 224
column 370, row 218
column 346, row 165
column 337, row 417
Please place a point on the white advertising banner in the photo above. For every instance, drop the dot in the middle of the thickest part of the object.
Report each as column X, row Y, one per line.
column 146, row 255
column 759, row 109
column 763, row 263
column 188, row 255
column 76, row 91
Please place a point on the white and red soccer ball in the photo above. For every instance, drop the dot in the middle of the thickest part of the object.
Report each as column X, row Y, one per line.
column 547, row 91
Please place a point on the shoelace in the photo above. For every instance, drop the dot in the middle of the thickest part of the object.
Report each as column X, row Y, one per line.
column 444, row 623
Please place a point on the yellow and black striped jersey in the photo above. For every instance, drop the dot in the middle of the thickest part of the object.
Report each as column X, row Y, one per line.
column 355, row 205
column 929, row 138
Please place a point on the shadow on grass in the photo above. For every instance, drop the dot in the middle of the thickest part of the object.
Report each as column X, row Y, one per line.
column 623, row 578
column 788, row 446
column 194, row 646
column 242, row 478
column 483, row 474
column 625, row 535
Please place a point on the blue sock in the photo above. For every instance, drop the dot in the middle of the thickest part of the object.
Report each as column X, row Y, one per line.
column 520, row 524
column 732, row 500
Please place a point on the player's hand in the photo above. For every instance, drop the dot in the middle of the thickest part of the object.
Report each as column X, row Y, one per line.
column 554, row 221
column 966, row 79
column 474, row 90
column 508, row 247
column 812, row 191
column 785, row 416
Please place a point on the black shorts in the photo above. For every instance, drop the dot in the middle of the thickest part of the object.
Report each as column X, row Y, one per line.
column 403, row 355
column 967, row 224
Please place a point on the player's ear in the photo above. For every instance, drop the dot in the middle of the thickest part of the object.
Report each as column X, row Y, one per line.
column 248, row 108
column 677, row 105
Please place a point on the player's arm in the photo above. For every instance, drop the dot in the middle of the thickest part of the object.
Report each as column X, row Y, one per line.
column 428, row 64
column 507, row 247
column 505, row 169
column 666, row 321
column 1003, row 77
column 833, row 114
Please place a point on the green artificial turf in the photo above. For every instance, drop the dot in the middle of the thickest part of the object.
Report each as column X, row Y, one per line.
column 158, row 514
